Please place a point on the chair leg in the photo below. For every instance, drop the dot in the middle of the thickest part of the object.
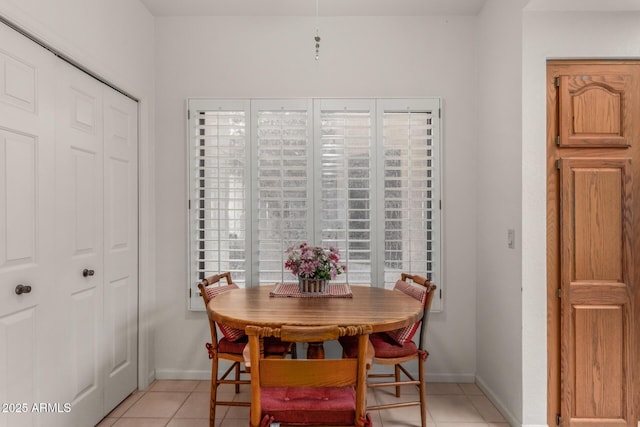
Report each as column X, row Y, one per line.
column 397, row 370
column 237, row 377
column 214, row 389
column 423, row 393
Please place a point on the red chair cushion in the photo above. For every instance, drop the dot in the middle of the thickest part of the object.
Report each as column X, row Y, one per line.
column 232, row 334
column 234, row 347
column 310, row 405
column 271, row 345
column 404, row 335
column 383, row 345
column 387, row 347
column 275, row 346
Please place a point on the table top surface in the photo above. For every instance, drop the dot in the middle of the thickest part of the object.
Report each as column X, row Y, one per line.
column 383, row 309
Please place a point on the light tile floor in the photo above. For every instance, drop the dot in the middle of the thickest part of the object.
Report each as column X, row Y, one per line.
column 185, row 403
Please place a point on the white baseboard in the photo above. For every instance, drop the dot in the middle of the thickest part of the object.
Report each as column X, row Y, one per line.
column 448, row 378
column 508, row 415
column 151, row 377
column 176, row 374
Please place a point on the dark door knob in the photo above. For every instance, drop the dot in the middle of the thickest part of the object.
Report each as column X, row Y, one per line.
column 23, row 289
column 87, row 272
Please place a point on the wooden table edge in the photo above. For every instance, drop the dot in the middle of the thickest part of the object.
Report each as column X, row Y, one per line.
column 383, row 326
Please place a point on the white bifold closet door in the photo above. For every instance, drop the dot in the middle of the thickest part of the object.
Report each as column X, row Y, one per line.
column 120, row 294
column 29, row 369
column 71, row 227
column 96, row 217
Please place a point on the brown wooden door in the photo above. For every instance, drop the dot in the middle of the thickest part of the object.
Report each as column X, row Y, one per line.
column 593, row 111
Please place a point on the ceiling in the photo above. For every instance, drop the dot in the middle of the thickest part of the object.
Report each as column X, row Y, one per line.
column 308, row 7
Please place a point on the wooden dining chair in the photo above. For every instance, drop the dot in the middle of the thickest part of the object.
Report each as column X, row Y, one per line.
column 231, row 346
column 308, row 392
column 397, row 347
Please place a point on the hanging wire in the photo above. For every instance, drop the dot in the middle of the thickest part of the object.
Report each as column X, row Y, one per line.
column 317, row 36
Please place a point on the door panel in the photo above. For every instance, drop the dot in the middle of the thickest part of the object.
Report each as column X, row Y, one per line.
column 596, row 213
column 19, row 384
column 79, row 225
column 595, row 263
column 83, row 352
column 599, row 348
column 19, row 185
column 18, row 80
column 121, row 247
column 593, row 110
column 27, row 373
column 85, row 204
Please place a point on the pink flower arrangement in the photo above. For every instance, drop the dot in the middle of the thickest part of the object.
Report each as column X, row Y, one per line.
column 314, row 262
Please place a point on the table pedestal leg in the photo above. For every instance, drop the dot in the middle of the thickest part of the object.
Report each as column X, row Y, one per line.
column 315, row 350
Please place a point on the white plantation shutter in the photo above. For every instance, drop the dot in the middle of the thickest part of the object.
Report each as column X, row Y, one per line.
column 359, row 174
column 218, row 188
column 410, row 146
column 345, row 195
column 283, row 184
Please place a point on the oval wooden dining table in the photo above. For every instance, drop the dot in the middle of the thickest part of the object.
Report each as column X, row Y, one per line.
column 383, row 309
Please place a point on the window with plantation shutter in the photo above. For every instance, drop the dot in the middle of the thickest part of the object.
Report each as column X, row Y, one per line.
column 410, row 174
column 345, row 195
column 362, row 175
column 218, row 189
column 282, row 187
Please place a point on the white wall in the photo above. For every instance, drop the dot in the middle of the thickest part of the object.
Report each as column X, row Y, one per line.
column 114, row 39
column 368, row 56
column 549, row 35
column 499, row 196
column 359, row 57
